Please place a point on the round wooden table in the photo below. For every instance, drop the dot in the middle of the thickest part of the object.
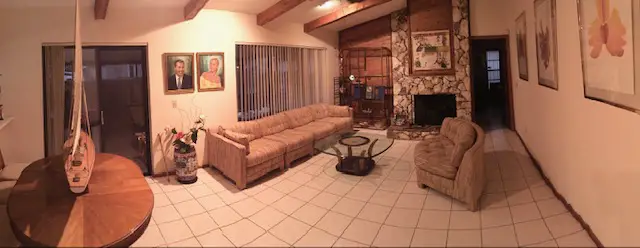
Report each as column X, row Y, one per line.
column 114, row 211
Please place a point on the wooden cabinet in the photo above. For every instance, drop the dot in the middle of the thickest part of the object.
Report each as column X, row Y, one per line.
column 365, row 85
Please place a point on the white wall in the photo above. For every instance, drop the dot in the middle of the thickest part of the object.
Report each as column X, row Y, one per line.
column 589, row 150
column 488, row 17
column 25, row 30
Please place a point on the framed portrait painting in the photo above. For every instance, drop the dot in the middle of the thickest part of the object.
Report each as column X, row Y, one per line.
column 210, row 71
column 178, row 73
column 432, row 53
column 546, row 43
column 521, row 46
column 610, row 48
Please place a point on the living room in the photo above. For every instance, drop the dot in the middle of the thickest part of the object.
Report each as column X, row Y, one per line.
column 555, row 126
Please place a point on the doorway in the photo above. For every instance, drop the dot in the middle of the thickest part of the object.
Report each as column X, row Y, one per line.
column 116, row 86
column 490, row 75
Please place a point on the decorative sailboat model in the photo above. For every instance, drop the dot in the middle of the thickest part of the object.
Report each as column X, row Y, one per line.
column 79, row 148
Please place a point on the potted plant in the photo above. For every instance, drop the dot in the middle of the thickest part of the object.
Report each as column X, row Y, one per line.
column 184, row 154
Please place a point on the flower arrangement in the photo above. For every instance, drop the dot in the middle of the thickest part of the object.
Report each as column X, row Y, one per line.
column 184, row 142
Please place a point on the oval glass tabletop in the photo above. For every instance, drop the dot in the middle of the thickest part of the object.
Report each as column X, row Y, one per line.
column 354, row 144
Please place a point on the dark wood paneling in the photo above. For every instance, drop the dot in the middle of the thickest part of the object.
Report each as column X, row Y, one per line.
column 100, row 9
column 193, row 7
column 374, row 33
column 429, row 15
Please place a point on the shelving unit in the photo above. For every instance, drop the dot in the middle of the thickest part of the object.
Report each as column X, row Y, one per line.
column 370, row 93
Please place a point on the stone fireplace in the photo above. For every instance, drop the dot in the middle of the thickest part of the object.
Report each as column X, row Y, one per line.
column 407, row 88
column 430, row 110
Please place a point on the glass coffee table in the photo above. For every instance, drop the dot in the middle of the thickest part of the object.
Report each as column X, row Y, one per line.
column 355, row 150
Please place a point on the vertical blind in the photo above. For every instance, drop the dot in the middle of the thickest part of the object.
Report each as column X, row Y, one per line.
column 272, row 79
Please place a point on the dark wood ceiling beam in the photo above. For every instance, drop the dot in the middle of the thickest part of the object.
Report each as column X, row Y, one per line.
column 340, row 13
column 100, row 9
column 193, row 7
column 276, row 10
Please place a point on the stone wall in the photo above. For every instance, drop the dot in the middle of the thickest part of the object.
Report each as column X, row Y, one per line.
column 405, row 85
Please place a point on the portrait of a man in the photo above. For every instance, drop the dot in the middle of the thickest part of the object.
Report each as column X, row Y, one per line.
column 178, row 73
column 210, row 71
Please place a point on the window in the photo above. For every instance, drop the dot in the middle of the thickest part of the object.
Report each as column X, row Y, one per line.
column 121, row 71
column 493, row 67
column 272, row 79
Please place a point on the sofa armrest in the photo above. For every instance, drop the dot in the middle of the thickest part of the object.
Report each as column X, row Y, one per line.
column 470, row 179
column 229, row 157
column 340, row 111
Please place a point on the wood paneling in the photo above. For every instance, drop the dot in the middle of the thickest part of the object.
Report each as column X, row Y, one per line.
column 340, row 13
column 114, row 211
column 429, row 15
column 193, row 7
column 277, row 10
column 374, row 33
column 100, row 9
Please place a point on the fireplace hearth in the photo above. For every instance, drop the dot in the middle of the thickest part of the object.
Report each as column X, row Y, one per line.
column 430, row 110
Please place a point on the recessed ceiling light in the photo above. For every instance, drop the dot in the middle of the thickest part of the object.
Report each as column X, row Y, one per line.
column 328, row 4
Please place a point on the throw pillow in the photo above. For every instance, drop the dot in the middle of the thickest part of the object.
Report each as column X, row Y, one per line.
column 340, row 111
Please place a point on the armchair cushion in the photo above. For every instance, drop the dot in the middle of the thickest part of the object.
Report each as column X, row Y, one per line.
column 299, row 117
column 319, row 111
column 434, row 155
column 250, row 128
column 273, row 124
column 292, row 139
column 318, row 128
column 264, row 149
column 464, row 139
column 339, row 111
column 240, row 138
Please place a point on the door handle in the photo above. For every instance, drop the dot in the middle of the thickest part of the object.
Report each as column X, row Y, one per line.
column 101, row 117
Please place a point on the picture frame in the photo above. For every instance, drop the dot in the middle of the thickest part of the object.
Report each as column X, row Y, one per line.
column 546, row 42
column 178, row 73
column 432, row 52
column 207, row 79
column 611, row 66
column 521, row 46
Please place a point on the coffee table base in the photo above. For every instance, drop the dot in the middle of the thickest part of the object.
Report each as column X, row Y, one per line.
column 357, row 166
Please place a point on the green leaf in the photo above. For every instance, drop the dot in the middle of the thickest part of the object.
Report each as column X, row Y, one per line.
column 194, row 137
column 173, row 131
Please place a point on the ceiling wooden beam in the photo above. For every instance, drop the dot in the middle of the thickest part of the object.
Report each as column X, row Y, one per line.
column 276, row 10
column 100, row 9
column 340, row 13
column 193, row 7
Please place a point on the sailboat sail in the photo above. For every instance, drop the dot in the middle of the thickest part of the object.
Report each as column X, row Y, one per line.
column 79, row 146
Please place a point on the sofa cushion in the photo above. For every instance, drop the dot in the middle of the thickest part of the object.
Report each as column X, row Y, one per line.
column 434, row 155
column 293, row 139
column 318, row 129
column 5, row 190
column 299, row 117
column 339, row 111
column 341, row 123
column 12, row 171
column 319, row 111
column 240, row 138
column 251, row 128
column 273, row 124
column 264, row 149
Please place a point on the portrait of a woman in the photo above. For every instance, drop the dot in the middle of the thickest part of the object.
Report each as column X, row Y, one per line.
column 210, row 71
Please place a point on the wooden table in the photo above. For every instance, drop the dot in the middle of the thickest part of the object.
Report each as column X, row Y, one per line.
column 114, row 212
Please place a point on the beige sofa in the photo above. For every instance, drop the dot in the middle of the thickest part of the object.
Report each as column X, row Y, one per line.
column 453, row 162
column 248, row 150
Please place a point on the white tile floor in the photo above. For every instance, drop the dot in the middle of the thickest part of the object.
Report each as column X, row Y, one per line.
column 313, row 205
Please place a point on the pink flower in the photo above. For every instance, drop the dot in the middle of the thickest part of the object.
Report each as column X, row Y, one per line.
column 179, row 135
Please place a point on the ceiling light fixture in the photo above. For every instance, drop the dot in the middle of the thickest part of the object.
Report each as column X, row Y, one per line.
column 328, row 4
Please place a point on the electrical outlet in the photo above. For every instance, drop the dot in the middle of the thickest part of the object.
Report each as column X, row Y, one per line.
column 174, row 104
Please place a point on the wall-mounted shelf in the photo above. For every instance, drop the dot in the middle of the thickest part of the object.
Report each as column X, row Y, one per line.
column 5, row 122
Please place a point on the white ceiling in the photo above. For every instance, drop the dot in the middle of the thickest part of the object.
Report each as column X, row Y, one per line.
column 242, row 6
column 112, row 3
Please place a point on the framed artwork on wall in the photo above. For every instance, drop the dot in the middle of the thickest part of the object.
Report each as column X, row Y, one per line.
column 178, row 73
column 521, row 46
column 546, row 43
column 432, row 52
column 610, row 48
column 210, row 71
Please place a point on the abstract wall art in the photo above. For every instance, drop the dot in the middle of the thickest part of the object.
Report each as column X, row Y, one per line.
column 546, row 43
column 521, row 45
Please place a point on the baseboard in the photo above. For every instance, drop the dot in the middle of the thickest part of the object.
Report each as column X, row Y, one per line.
column 573, row 212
